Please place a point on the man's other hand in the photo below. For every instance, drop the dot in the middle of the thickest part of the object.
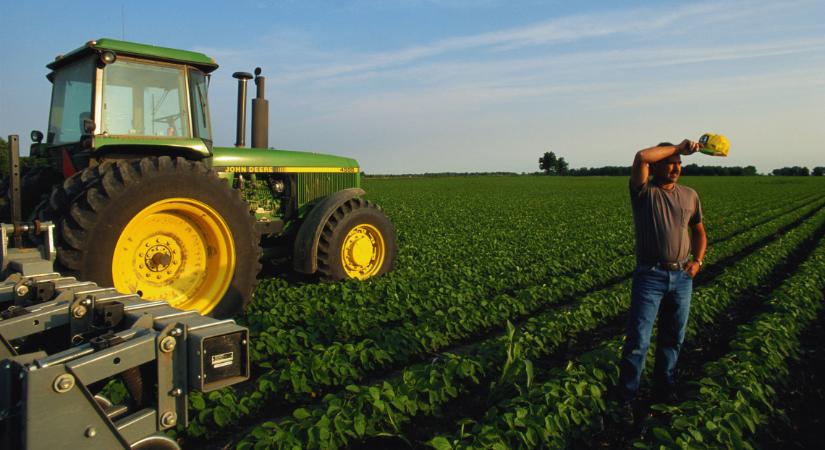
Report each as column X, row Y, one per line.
column 688, row 147
column 692, row 268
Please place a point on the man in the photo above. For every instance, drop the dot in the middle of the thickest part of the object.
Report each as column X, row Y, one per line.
column 668, row 220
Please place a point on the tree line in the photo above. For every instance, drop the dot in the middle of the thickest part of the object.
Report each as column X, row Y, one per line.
column 799, row 171
column 551, row 164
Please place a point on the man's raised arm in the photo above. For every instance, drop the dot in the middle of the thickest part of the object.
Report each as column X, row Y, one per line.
column 640, row 172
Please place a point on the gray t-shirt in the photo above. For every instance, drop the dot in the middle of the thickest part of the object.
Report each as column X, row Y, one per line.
column 662, row 218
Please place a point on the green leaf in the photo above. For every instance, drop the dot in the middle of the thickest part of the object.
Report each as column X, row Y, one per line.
column 440, row 443
column 595, row 392
column 528, row 367
column 220, row 416
column 360, row 424
column 681, row 423
column 301, row 413
column 197, row 402
column 662, row 435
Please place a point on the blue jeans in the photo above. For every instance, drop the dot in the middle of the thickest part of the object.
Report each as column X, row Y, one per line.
column 656, row 291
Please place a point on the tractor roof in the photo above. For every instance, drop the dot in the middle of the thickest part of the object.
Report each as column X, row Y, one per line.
column 196, row 59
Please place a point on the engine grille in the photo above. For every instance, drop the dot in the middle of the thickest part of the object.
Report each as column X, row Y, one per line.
column 312, row 186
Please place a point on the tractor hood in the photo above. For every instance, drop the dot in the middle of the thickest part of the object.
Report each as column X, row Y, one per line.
column 261, row 160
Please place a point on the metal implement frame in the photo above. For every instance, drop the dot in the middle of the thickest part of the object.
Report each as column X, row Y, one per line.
column 46, row 400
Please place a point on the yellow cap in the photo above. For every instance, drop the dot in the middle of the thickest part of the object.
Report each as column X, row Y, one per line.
column 714, row 144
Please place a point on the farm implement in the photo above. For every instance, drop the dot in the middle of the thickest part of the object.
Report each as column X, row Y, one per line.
column 143, row 201
column 62, row 341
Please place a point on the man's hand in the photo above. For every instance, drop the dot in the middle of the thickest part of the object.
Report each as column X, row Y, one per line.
column 692, row 268
column 688, row 147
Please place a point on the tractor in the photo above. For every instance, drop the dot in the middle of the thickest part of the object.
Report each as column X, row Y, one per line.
column 143, row 200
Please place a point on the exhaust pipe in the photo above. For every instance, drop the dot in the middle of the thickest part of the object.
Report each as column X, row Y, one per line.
column 240, row 134
column 260, row 113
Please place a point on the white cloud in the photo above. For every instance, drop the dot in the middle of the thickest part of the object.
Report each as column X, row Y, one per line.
column 643, row 23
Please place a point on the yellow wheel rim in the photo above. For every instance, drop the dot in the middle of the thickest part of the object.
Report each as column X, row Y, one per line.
column 178, row 250
column 362, row 252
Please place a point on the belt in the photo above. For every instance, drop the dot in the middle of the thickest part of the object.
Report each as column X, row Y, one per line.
column 672, row 266
column 664, row 265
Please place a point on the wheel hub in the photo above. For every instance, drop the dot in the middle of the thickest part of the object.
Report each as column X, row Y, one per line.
column 161, row 257
column 362, row 253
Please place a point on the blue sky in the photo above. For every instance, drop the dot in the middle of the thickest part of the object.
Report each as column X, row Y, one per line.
column 458, row 85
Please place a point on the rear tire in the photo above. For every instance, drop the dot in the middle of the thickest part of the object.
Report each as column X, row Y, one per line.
column 63, row 194
column 168, row 229
column 358, row 241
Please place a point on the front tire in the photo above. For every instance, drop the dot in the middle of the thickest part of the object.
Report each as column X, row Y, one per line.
column 357, row 242
column 167, row 229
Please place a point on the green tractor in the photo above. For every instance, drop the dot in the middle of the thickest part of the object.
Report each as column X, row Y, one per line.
column 144, row 201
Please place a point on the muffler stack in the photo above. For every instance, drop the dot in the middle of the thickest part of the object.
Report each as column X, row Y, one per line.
column 260, row 111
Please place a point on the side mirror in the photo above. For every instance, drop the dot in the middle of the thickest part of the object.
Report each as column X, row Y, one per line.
column 89, row 126
column 37, row 136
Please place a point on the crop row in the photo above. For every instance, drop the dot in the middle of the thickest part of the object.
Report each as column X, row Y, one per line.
column 376, row 418
column 570, row 402
column 735, row 396
column 311, row 369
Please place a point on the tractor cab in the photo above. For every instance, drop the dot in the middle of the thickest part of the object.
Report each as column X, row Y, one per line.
column 113, row 96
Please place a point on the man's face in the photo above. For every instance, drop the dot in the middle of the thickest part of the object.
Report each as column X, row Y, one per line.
column 667, row 170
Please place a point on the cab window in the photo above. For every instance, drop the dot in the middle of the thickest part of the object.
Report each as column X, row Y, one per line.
column 143, row 99
column 71, row 101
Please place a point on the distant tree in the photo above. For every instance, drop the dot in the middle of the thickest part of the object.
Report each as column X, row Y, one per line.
column 690, row 169
column 794, row 171
column 547, row 163
column 735, row 171
column 818, row 171
column 562, row 167
column 601, row 171
column 552, row 165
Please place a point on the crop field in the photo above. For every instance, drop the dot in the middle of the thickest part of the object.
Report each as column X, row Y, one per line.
column 502, row 324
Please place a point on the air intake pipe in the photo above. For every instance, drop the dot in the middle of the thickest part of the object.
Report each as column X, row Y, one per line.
column 240, row 134
column 260, row 113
